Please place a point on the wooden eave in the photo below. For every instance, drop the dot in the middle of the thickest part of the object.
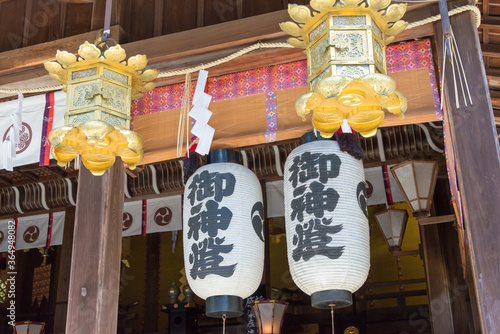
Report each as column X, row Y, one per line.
column 21, row 68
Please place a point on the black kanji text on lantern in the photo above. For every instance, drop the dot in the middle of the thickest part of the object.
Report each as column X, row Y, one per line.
column 309, row 175
column 208, row 218
column 312, row 239
column 206, row 258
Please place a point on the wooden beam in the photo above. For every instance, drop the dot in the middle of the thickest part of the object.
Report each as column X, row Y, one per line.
column 493, row 76
column 475, row 144
column 212, row 42
column 435, row 274
column 490, row 50
column 32, row 58
column 63, row 276
column 152, row 284
column 95, row 264
column 158, row 18
column 27, row 22
column 407, row 253
column 437, row 220
column 98, row 12
column 495, row 98
column 490, row 22
column 463, row 321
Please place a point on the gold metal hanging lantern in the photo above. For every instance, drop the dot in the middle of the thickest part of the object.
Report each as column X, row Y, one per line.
column 345, row 44
column 100, row 86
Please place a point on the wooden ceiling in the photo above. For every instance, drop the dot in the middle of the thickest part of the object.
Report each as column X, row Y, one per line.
column 489, row 35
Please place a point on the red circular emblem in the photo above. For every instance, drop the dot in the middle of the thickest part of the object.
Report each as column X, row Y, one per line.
column 163, row 216
column 31, row 234
column 369, row 189
column 127, row 221
column 1, row 236
column 25, row 137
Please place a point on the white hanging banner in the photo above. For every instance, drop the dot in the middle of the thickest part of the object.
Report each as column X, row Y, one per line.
column 376, row 189
column 56, row 235
column 32, row 231
column 275, row 199
column 31, row 127
column 4, row 235
column 6, row 155
column 164, row 214
column 132, row 218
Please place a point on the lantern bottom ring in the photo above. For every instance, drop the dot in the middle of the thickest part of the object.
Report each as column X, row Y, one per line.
column 326, row 298
column 217, row 306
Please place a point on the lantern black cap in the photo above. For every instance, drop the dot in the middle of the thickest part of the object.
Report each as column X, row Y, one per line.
column 218, row 306
column 311, row 136
column 328, row 298
column 224, row 155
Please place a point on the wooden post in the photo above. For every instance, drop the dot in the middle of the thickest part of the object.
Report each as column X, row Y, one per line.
column 475, row 144
column 95, row 264
column 64, row 271
column 152, row 284
column 437, row 286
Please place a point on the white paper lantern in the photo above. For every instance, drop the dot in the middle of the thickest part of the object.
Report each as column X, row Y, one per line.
column 326, row 222
column 223, row 235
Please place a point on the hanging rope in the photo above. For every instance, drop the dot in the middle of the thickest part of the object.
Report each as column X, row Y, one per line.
column 183, row 129
column 244, row 51
column 224, row 323
column 333, row 328
column 452, row 12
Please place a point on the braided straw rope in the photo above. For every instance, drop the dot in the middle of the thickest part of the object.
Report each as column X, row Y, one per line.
column 244, row 51
column 452, row 12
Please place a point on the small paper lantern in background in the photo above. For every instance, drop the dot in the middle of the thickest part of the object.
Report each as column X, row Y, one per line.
column 28, row 327
column 392, row 223
column 223, row 234
column 269, row 315
column 417, row 179
column 326, row 222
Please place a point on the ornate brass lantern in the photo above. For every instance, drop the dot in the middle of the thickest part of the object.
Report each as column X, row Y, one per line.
column 100, row 86
column 345, row 45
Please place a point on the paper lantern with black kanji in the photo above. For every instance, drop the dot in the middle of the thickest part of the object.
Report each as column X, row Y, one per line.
column 223, row 234
column 326, row 222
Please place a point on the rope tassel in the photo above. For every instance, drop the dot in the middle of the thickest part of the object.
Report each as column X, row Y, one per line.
column 451, row 54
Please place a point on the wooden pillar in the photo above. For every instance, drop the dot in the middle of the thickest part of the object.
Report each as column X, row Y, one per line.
column 458, row 292
column 152, row 284
column 475, row 144
column 437, row 285
column 64, row 273
column 95, row 262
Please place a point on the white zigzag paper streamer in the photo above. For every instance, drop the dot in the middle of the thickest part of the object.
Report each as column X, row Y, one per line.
column 201, row 114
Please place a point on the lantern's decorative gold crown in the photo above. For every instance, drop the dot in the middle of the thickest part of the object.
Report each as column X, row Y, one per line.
column 113, row 57
column 345, row 44
column 100, row 86
column 386, row 15
column 359, row 100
